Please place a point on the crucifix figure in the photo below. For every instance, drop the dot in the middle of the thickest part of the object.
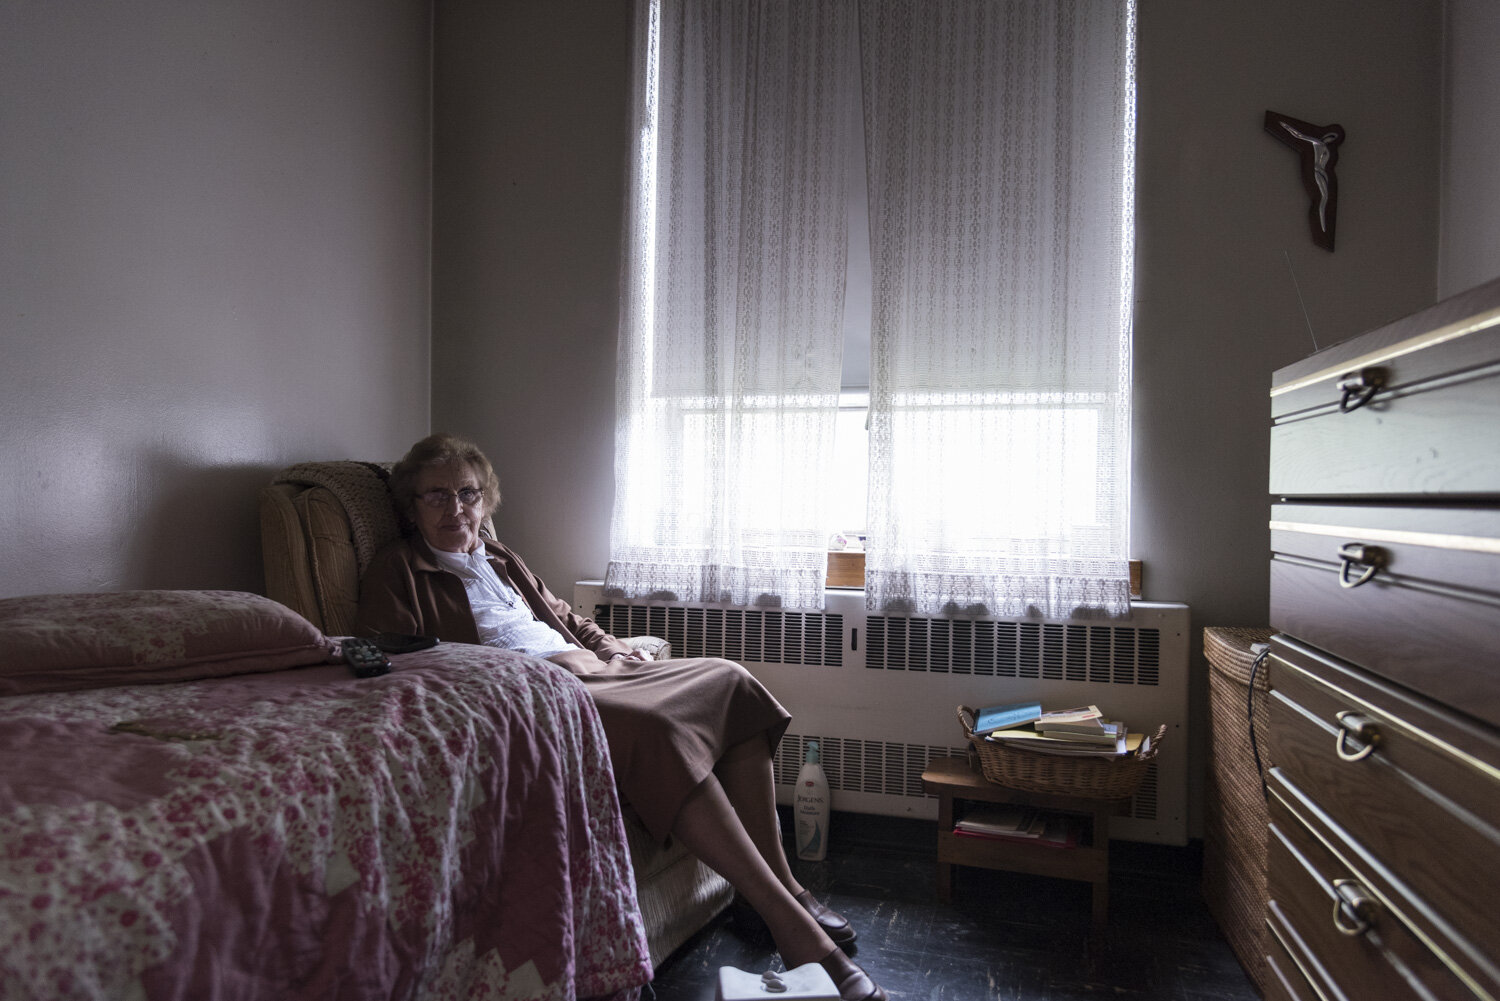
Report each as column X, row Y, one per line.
column 1318, row 148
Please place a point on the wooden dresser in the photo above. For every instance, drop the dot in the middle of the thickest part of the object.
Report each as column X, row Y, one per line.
column 1383, row 852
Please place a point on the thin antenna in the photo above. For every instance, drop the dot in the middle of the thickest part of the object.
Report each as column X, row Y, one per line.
column 1297, row 285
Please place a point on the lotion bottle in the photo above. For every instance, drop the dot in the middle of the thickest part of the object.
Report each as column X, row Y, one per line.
column 810, row 808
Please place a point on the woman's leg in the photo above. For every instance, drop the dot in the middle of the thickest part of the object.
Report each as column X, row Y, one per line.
column 710, row 827
column 748, row 778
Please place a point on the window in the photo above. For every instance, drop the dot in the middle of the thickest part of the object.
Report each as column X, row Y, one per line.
column 848, row 492
column 930, row 204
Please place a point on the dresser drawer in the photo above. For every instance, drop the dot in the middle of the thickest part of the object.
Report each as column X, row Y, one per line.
column 1414, row 790
column 1284, row 978
column 1412, row 593
column 1346, row 931
column 1404, row 411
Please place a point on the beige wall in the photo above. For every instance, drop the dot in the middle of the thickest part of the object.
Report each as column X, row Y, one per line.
column 214, row 234
column 1470, row 250
column 1222, row 229
column 528, row 177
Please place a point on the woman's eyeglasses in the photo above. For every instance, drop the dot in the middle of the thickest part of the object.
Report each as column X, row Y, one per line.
column 468, row 497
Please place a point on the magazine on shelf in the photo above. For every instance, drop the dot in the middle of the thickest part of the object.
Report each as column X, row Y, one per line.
column 1058, row 830
column 1009, row 819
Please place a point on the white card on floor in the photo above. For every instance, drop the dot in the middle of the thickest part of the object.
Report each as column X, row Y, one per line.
column 808, row 982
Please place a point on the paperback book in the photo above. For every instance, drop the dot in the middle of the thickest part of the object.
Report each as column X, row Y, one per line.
column 1126, row 744
column 1081, row 715
column 1110, row 736
column 1002, row 717
column 1087, row 720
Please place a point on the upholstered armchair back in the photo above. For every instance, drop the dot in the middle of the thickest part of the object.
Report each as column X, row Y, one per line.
column 320, row 525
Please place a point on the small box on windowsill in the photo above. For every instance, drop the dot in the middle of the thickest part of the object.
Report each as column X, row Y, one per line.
column 846, row 569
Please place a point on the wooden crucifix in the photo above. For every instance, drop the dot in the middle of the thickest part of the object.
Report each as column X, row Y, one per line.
column 1318, row 148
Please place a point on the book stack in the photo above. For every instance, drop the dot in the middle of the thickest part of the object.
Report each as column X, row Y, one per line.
column 1081, row 731
column 1013, row 822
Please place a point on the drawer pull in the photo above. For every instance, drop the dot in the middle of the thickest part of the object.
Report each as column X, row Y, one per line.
column 1362, row 729
column 1356, row 554
column 1354, row 910
column 1357, row 388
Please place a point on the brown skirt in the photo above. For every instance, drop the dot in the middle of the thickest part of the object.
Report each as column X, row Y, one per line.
column 669, row 721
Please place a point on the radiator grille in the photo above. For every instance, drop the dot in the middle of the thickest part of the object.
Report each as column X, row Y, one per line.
column 850, row 765
column 1121, row 655
column 738, row 634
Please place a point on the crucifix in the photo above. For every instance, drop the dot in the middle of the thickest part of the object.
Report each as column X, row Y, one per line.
column 1318, row 148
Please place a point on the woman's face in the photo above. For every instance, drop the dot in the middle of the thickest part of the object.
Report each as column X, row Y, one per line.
column 449, row 525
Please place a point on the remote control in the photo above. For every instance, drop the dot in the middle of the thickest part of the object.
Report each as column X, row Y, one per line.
column 365, row 658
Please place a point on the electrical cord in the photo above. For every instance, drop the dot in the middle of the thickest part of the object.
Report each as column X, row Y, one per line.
column 1260, row 771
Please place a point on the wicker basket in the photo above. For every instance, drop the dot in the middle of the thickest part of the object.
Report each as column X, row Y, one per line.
column 1062, row 775
column 1234, row 810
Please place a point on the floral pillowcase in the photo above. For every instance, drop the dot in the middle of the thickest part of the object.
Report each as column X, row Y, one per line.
column 64, row 642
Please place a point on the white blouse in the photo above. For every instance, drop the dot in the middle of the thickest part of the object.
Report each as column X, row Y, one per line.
column 501, row 615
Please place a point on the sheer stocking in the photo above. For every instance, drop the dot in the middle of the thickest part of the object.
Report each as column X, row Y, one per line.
column 710, row 827
column 746, row 774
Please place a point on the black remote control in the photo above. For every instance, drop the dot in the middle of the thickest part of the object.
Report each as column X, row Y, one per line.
column 365, row 658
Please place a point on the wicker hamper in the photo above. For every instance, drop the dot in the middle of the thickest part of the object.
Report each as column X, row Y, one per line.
column 1234, row 812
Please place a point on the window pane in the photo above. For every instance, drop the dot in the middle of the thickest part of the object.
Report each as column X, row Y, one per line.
column 851, row 473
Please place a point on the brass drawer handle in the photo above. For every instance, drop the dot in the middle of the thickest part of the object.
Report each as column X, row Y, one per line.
column 1355, row 909
column 1357, row 554
column 1358, row 388
column 1362, row 729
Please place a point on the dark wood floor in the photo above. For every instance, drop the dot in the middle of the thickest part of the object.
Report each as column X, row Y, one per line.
column 1005, row 936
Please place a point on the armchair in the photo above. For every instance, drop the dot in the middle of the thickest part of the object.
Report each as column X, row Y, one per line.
column 321, row 523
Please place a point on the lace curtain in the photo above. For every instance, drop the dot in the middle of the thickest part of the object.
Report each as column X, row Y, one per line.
column 999, row 136
column 732, row 300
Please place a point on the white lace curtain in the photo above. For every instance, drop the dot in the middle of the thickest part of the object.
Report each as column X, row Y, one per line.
column 733, row 298
column 999, row 136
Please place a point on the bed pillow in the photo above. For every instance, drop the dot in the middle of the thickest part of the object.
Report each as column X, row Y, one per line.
column 64, row 642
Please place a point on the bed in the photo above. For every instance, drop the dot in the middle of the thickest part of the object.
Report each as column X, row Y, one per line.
column 198, row 800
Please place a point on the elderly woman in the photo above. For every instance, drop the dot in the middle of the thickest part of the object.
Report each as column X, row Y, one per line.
column 691, row 740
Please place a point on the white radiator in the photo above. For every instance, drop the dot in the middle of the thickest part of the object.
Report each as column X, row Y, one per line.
column 879, row 693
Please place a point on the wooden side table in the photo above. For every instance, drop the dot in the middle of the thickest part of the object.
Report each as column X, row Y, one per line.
column 954, row 779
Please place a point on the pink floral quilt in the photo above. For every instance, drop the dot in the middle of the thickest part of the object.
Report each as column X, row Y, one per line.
column 449, row 830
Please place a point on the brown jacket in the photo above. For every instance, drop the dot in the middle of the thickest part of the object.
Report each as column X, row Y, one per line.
column 404, row 590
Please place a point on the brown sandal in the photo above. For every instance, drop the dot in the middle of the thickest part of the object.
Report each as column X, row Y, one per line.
column 853, row 983
column 834, row 924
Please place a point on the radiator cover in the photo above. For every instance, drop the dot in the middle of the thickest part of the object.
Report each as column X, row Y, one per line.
column 879, row 693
